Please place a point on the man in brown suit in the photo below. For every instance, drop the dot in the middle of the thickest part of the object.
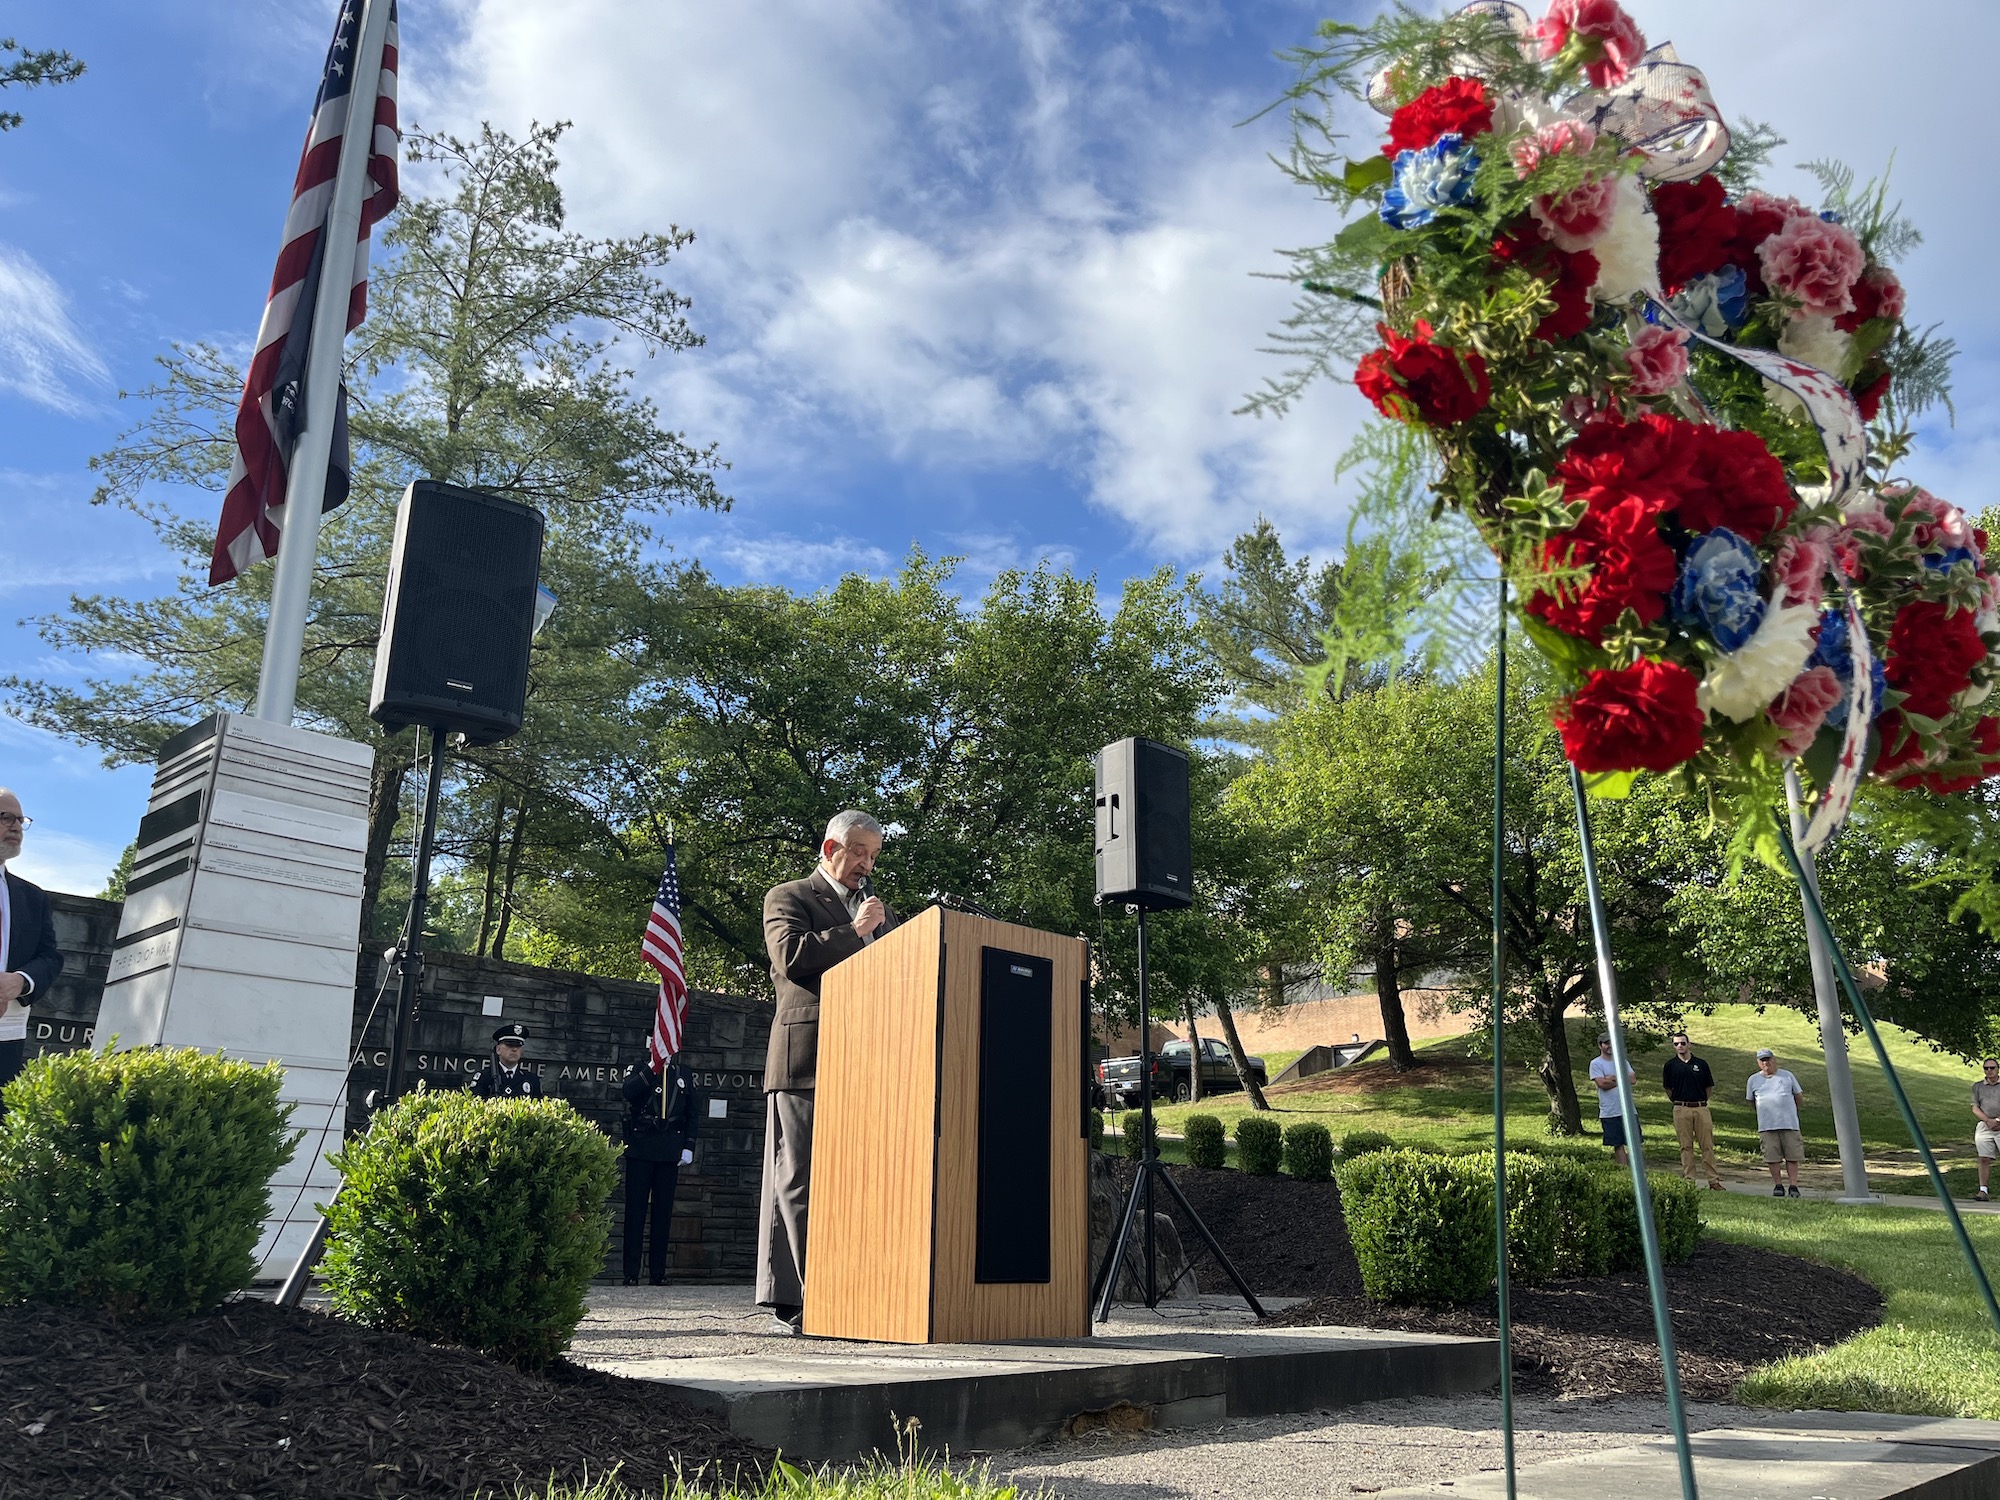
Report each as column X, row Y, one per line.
column 809, row 926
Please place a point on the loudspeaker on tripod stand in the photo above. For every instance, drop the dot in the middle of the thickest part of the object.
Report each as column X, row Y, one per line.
column 458, row 613
column 1145, row 844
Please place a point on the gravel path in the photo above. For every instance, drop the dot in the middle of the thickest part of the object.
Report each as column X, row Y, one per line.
column 1357, row 1451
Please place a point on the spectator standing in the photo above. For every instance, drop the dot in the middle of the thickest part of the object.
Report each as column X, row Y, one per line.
column 1689, row 1082
column 1777, row 1095
column 1986, row 1106
column 29, row 962
column 1604, row 1078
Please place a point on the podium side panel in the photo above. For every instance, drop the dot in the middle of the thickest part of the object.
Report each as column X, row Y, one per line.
column 965, row 1309
column 868, row 1248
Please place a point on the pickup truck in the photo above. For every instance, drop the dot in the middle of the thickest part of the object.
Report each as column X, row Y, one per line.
column 1118, row 1077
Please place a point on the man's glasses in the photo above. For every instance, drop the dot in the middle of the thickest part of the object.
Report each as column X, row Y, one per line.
column 15, row 820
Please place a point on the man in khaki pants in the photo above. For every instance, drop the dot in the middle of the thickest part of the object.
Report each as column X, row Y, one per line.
column 1689, row 1083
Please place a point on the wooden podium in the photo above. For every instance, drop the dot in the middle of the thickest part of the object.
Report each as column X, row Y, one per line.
column 950, row 1188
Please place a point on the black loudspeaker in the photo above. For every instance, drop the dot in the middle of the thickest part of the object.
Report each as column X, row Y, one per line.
column 458, row 614
column 1145, row 853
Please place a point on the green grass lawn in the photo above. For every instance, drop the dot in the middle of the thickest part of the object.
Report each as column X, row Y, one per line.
column 1935, row 1354
column 878, row 1480
column 1448, row 1101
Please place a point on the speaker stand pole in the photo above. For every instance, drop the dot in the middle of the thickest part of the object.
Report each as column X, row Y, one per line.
column 1150, row 1167
column 410, row 955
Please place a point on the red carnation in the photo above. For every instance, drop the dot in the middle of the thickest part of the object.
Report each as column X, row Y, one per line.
column 1870, row 396
column 1640, row 718
column 1434, row 382
column 1733, row 481
column 1878, row 294
column 1932, row 651
column 1901, row 748
column 1456, row 106
column 1630, row 568
column 1697, row 229
column 1647, row 456
column 1758, row 217
column 1570, row 274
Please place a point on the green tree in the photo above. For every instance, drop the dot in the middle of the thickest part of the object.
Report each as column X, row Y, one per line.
column 25, row 68
column 497, row 356
column 968, row 730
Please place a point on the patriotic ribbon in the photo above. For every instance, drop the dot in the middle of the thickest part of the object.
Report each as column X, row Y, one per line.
column 1836, row 798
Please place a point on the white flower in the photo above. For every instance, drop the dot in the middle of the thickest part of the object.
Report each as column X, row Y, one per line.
column 1813, row 340
column 1739, row 685
column 1628, row 256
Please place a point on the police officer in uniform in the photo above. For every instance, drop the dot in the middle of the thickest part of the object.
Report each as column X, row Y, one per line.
column 503, row 1077
column 662, row 1120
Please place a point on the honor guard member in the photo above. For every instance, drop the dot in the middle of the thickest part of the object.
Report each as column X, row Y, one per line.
column 503, row 1077
column 662, row 1123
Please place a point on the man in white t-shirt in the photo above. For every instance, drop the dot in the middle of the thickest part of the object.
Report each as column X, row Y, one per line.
column 1986, row 1135
column 1777, row 1095
column 1604, row 1078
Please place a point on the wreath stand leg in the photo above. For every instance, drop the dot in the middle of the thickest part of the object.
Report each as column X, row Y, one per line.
column 1642, row 1197
column 1816, row 917
column 1501, row 1291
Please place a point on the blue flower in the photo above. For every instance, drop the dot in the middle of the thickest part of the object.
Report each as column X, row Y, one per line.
column 1715, row 303
column 1718, row 588
column 1439, row 176
column 1835, row 650
column 1946, row 560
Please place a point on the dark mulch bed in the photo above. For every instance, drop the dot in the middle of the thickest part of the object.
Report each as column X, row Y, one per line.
column 255, row 1400
column 1733, row 1307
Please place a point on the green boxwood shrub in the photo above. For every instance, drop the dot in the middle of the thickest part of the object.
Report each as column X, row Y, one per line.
column 1358, row 1143
column 135, row 1181
column 1096, row 1130
column 1535, row 1212
column 1676, row 1215
column 472, row 1221
column 1583, row 1242
column 1131, row 1131
column 1260, row 1145
column 1421, row 1225
column 1309, row 1151
column 1203, row 1137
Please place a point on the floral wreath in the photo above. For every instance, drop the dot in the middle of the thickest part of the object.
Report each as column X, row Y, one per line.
column 1651, row 388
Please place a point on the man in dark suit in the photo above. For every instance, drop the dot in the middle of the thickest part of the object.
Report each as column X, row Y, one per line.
column 29, row 961
column 503, row 1077
column 662, row 1123
column 809, row 926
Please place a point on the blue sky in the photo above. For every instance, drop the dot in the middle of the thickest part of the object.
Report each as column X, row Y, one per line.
column 977, row 276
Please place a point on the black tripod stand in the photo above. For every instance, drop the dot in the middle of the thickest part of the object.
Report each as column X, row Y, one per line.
column 1150, row 1169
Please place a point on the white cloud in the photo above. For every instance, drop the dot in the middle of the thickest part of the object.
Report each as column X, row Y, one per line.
column 63, row 862
column 41, row 350
column 775, row 558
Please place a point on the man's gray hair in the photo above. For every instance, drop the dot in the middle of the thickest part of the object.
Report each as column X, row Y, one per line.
column 843, row 823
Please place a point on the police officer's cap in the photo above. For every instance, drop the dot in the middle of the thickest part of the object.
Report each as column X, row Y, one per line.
column 512, row 1032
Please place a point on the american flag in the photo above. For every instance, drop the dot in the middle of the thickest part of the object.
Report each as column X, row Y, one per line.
column 273, row 404
column 661, row 948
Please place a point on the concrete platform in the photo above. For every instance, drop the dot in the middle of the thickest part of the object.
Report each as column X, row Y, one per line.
column 1796, row 1456
column 1196, row 1366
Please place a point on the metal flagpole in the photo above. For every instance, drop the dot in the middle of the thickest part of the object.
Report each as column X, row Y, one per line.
column 1502, row 1294
column 305, row 479
column 1832, row 1031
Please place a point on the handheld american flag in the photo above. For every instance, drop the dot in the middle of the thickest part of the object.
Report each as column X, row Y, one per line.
column 661, row 948
column 269, row 416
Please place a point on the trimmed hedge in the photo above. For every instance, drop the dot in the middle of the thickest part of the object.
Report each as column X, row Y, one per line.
column 1131, row 1130
column 1096, row 1130
column 1309, row 1151
column 135, row 1182
column 1260, row 1145
column 1358, row 1143
column 1421, row 1225
column 472, row 1221
column 1204, row 1140
column 1676, row 1215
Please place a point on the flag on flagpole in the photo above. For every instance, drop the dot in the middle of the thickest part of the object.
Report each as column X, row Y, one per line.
column 269, row 415
column 661, row 948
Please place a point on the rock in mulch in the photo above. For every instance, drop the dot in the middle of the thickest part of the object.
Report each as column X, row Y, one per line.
column 1733, row 1307
column 257, row 1400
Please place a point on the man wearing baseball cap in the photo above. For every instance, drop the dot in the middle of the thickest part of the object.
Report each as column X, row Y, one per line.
column 1777, row 1095
column 503, row 1077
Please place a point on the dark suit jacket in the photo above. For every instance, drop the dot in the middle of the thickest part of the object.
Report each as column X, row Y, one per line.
column 806, row 931
column 31, row 937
